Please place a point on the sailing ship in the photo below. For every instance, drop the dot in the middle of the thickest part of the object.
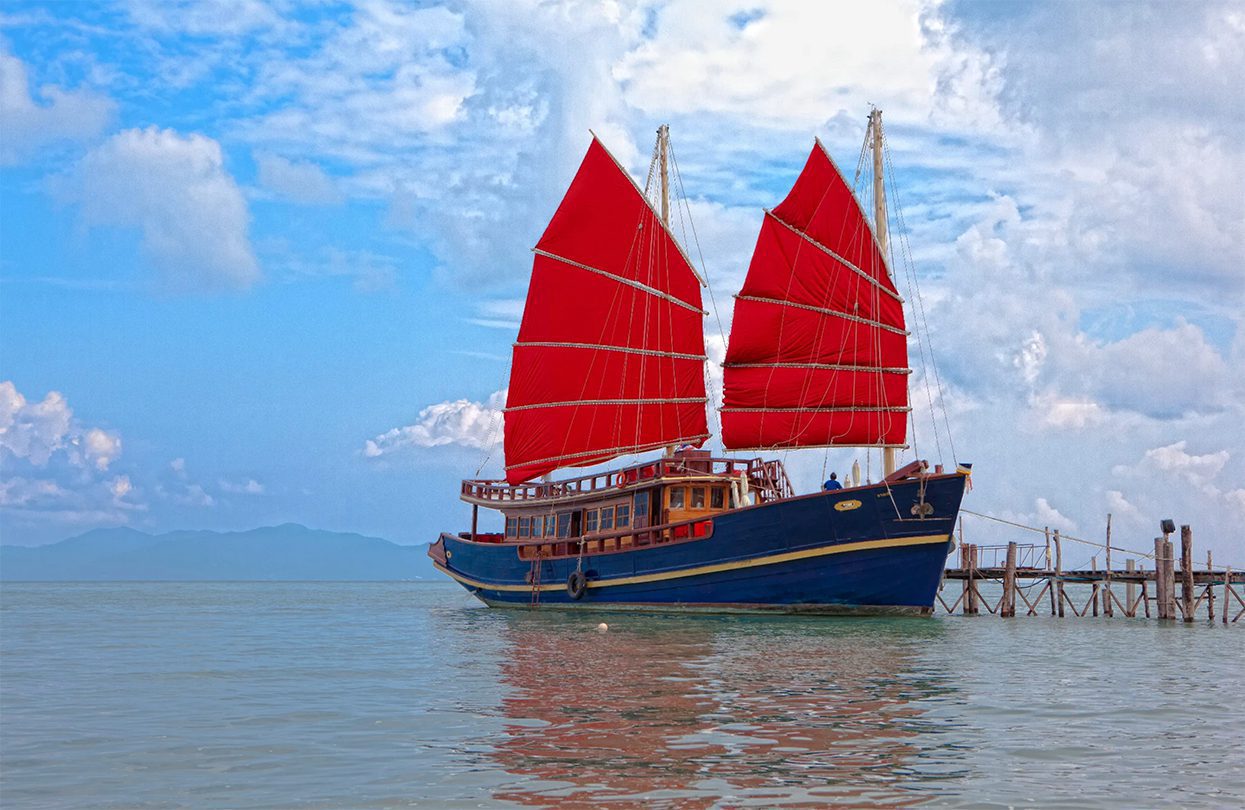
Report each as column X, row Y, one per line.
column 610, row 361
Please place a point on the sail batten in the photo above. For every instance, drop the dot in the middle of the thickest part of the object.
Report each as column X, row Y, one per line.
column 826, row 366
column 818, row 351
column 610, row 354
column 824, row 311
column 610, row 348
column 581, row 402
column 629, row 282
column 803, row 235
column 603, row 454
column 831, row 409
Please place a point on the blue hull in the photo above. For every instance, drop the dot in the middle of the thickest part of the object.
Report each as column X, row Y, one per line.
column 800, row 555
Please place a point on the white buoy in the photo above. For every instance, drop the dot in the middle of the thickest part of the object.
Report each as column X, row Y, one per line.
column 602, row 627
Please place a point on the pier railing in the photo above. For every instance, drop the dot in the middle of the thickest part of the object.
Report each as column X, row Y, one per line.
column 618, row 540
column 767, row 478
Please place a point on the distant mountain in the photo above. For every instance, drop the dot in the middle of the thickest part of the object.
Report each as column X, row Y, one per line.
column 286, row 552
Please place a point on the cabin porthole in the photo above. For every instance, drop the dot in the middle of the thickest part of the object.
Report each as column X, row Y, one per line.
column 576, row 585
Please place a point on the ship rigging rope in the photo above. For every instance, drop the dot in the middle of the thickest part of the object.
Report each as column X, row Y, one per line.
column 868, row 201
column 495, row 422
column 910, row 266
column 704, row 271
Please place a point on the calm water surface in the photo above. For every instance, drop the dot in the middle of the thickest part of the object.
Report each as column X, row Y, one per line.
column 257, row 695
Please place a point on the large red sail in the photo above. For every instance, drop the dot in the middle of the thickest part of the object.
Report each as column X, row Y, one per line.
column 610, row 356
column 818, row 352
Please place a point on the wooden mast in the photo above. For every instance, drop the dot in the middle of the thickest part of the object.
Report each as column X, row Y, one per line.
column 663, row 142
column 879, row 230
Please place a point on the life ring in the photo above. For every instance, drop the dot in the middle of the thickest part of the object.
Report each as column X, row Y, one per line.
column 622, row 480
column 576, row 585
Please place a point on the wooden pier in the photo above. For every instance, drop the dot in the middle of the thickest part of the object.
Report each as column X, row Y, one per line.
column 1033, row 577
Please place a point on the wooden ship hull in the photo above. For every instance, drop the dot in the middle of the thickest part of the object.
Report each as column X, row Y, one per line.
column 877, row 549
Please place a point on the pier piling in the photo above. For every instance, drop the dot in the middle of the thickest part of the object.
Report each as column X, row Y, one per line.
column 1130, row 590
column 1059, row 597
column 1186, row 571
column 1210, row 589
column 1093, row 595
column 1107, row 609
column 1008, row 607
column 1008, row 564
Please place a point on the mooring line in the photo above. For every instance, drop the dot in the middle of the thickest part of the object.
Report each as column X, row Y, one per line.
column 1062, row 536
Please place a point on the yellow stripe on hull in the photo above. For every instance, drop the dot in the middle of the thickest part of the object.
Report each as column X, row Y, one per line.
column 773, row 559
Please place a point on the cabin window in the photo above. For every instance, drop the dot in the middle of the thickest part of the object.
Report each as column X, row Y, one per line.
column 551, row 525
column 590, row 520
column 607, row 518
column 641, row 508
column 716, row 498
column 512, row 527
column 698, row 497
column 676, row 497
column 525, row 527
column 564, row 524
column 622, row 515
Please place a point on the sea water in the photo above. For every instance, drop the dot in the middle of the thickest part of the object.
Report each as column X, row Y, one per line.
column 262, row 695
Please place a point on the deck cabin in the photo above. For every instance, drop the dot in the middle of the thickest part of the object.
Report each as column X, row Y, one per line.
column 668, row 500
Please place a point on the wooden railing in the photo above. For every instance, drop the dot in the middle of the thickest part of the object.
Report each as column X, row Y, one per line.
column 768, row 478
column 678, row 532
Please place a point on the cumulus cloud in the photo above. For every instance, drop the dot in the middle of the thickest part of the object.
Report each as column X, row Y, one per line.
column 27, row 502
column 382, row 81
column 101, row 447
column 197, row 18
column 298, row 181
column 499, row 313
column 367, row 271
column 1198, row 474
column 1042, row 514
column 120, row 487
column 247, row 486
column 50, row 116
column 35, row 432
column 458, row 422
column 1198, row 470
column 795, row 65
column 1157, row 187
column 1120, row 505
column 55, row 466
column 179, row 487
column 1048, row 515
column 176, row 190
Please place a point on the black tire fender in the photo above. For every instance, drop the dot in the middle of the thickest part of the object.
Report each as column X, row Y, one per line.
column 576, row 585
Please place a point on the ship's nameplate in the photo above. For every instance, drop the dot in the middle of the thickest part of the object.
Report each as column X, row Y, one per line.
column 846, row 506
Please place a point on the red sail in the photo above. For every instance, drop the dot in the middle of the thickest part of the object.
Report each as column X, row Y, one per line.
column 610, row 356
column 818, row 353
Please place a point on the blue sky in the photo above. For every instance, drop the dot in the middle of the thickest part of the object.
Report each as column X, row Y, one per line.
column 263, row 262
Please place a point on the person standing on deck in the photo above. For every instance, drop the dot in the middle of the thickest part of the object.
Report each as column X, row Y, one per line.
column 833, row 483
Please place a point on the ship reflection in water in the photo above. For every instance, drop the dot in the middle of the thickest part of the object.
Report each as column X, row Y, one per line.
column 719, row 711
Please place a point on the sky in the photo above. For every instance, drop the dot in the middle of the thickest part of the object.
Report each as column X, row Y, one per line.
column 263, row 262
